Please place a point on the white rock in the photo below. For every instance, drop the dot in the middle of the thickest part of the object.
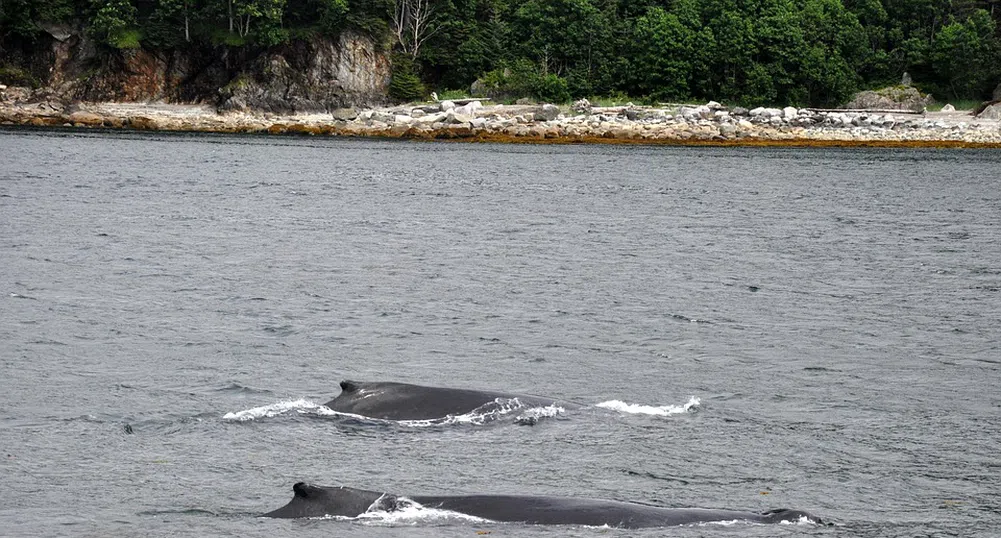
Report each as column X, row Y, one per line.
column 789, row 112
column 451, row 117
column 447, row 105
column 757, row 111
column 547, row 112
column 948, row 108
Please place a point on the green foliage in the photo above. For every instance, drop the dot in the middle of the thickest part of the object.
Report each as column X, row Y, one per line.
column 113, row 21
column 21, row 18
column 551, row 89
column 405, row 85
column 523, row 79
column 451, row 95
column 126, row 38
column 965, row 58
column 222, row 37
column 809, row 52
column 15, row 76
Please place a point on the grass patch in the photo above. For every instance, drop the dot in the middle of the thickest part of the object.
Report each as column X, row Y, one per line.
column 125, row 39
column 452, row 95
column 226, row 38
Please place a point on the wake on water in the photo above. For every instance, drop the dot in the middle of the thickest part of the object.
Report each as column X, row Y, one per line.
column 479, row 416
column 640, row 409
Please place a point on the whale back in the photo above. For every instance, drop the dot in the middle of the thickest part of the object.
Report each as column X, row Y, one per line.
column 546, row 510
column 320, row 501
column 403, row 401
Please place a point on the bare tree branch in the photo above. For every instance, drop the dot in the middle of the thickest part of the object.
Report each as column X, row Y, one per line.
column 413, row 24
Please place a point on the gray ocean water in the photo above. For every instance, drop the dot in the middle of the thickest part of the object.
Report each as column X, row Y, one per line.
column 836, row 314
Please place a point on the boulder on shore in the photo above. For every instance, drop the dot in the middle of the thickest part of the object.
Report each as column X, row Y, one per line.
column 547, row 112
column 891, row 98
column 992, row 112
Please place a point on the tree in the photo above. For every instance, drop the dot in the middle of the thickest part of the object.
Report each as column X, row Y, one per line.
column 413, row 24
column 661, row 61
column 112, row 22
column 181, row 8
column 965, row 56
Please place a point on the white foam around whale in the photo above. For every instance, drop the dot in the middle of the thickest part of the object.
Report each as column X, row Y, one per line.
column 279, row 408
column 803, row 520
column 488, row 413
column 479, row 416
column 409, row 512
column 640, row 409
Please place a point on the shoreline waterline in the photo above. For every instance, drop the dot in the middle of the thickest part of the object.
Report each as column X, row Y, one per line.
column 705, row 126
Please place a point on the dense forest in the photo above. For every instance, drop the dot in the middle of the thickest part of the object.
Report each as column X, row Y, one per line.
column 814, row 52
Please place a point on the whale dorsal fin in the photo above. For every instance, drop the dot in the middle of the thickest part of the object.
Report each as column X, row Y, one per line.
column 304, row 490
column 349, row 386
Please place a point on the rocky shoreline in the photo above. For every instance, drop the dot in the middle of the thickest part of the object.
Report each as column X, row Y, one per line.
column 709, row 124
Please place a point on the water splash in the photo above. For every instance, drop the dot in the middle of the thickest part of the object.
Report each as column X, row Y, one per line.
column 489, row 412
column 405, row 511
column 803, row 520
column 280, row 408
column 640, row 409
column 481, row 415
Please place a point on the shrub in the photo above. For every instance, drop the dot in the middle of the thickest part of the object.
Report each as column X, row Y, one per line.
column 15, row 76
column 551, row 88
column 404, row 84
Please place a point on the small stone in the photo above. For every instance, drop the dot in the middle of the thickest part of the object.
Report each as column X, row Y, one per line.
column 948, row 108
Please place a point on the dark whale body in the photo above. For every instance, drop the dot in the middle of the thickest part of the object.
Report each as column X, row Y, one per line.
column 402, row 401
column 320, row 501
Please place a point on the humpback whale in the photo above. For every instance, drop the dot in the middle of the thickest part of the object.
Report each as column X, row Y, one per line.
column 403, row 401
column 320, row 501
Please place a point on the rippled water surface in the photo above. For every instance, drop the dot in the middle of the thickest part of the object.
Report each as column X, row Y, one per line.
column 836, row 314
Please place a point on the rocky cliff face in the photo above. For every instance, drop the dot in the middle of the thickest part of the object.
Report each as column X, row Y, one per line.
column 311, row 76
column 304, row 76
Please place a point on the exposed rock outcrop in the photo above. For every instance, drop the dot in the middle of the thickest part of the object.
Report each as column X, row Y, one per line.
column 891, row 98
column 992, row 112
column 303, row 76
column 314, row 76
